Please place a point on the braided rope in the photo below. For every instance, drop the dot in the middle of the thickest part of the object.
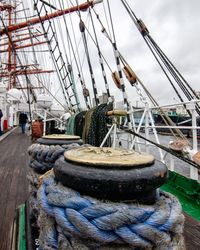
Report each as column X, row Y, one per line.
column 43, row 157
column 144, row 226
column 33, row 179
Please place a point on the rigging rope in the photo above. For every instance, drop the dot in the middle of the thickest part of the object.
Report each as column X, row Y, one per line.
column 34, row 53
column 69, row 66
column 162, row 147
column 82, row 30
column 174, row 72
column 53, row 56
column 182, row 83
column 100, row 58
column 117, row 59
column 27, row 79
column 165, row 118
column 63, row 70
column 77, row 61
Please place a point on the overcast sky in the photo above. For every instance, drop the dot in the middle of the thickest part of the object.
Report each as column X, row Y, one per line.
column 173, row 24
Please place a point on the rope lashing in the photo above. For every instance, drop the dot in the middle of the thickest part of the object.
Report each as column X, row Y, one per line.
column 85, row 218
column 33, row 178
column 43, row 157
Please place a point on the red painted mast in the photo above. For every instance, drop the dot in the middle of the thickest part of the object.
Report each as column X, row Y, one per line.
column 12, row 47
column 83, row 6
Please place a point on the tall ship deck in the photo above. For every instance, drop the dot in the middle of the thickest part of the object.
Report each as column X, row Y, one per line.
column 82, row 102
column 14, row 190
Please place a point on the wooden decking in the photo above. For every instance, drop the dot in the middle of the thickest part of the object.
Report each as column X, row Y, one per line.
column 13, row 182
column 14, row 190
column 192, row 233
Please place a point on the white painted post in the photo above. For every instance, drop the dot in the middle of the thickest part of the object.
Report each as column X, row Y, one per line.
column 147, row 128
column 109, row 132
column 45, row 120
column 191, row 107
column 114, row 135
column 156, row 136
column 171, row 163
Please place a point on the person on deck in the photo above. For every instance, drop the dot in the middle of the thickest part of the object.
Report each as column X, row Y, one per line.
column 1, row 115
column 23, row 118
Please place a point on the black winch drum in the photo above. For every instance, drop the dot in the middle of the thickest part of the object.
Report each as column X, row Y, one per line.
column 111, row 174
column 59, row 139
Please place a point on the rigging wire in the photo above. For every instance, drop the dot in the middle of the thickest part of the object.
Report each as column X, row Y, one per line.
column 91, row 37
column 162, row 147
column 82, row 30
column 100, row 57
column 13, row 49
column 63, row 70
column 177, row 76
column 167, row 120
column 95, row 92
column 117, row 60
column 111, row 21
column 182, row 83
column 30, row 33
column 106, row 17
column 69, row 66
column 53, row 56
column 78, row 63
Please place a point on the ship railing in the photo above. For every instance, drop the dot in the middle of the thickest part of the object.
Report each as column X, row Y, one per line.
column 149, row 129
column 46, row 116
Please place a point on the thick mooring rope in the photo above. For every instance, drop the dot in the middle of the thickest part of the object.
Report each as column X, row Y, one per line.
column 43, row 157
column 102, row 223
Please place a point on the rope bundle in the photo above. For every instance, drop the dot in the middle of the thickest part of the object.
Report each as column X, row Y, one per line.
column 43, row 157
column 33, row 179
column 99, row 224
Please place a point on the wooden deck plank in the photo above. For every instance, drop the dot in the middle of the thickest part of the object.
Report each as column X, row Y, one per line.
column 192, row 233
column 13, row 183
column 14, row 190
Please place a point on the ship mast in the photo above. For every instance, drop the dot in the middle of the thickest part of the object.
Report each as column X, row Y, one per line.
column 13, row 69
column 83, row 6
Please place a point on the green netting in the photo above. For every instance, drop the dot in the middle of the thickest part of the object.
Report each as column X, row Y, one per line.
column 187, row 191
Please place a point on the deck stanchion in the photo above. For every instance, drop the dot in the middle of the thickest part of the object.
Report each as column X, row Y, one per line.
column 45, row 120
column 171, row 164
column 192, row 107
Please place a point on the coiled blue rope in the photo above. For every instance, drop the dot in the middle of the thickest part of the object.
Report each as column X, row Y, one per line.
column 85, row 218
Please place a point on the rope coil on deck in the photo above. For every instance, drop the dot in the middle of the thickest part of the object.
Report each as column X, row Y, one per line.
column 43, row 157
column 99, row 223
